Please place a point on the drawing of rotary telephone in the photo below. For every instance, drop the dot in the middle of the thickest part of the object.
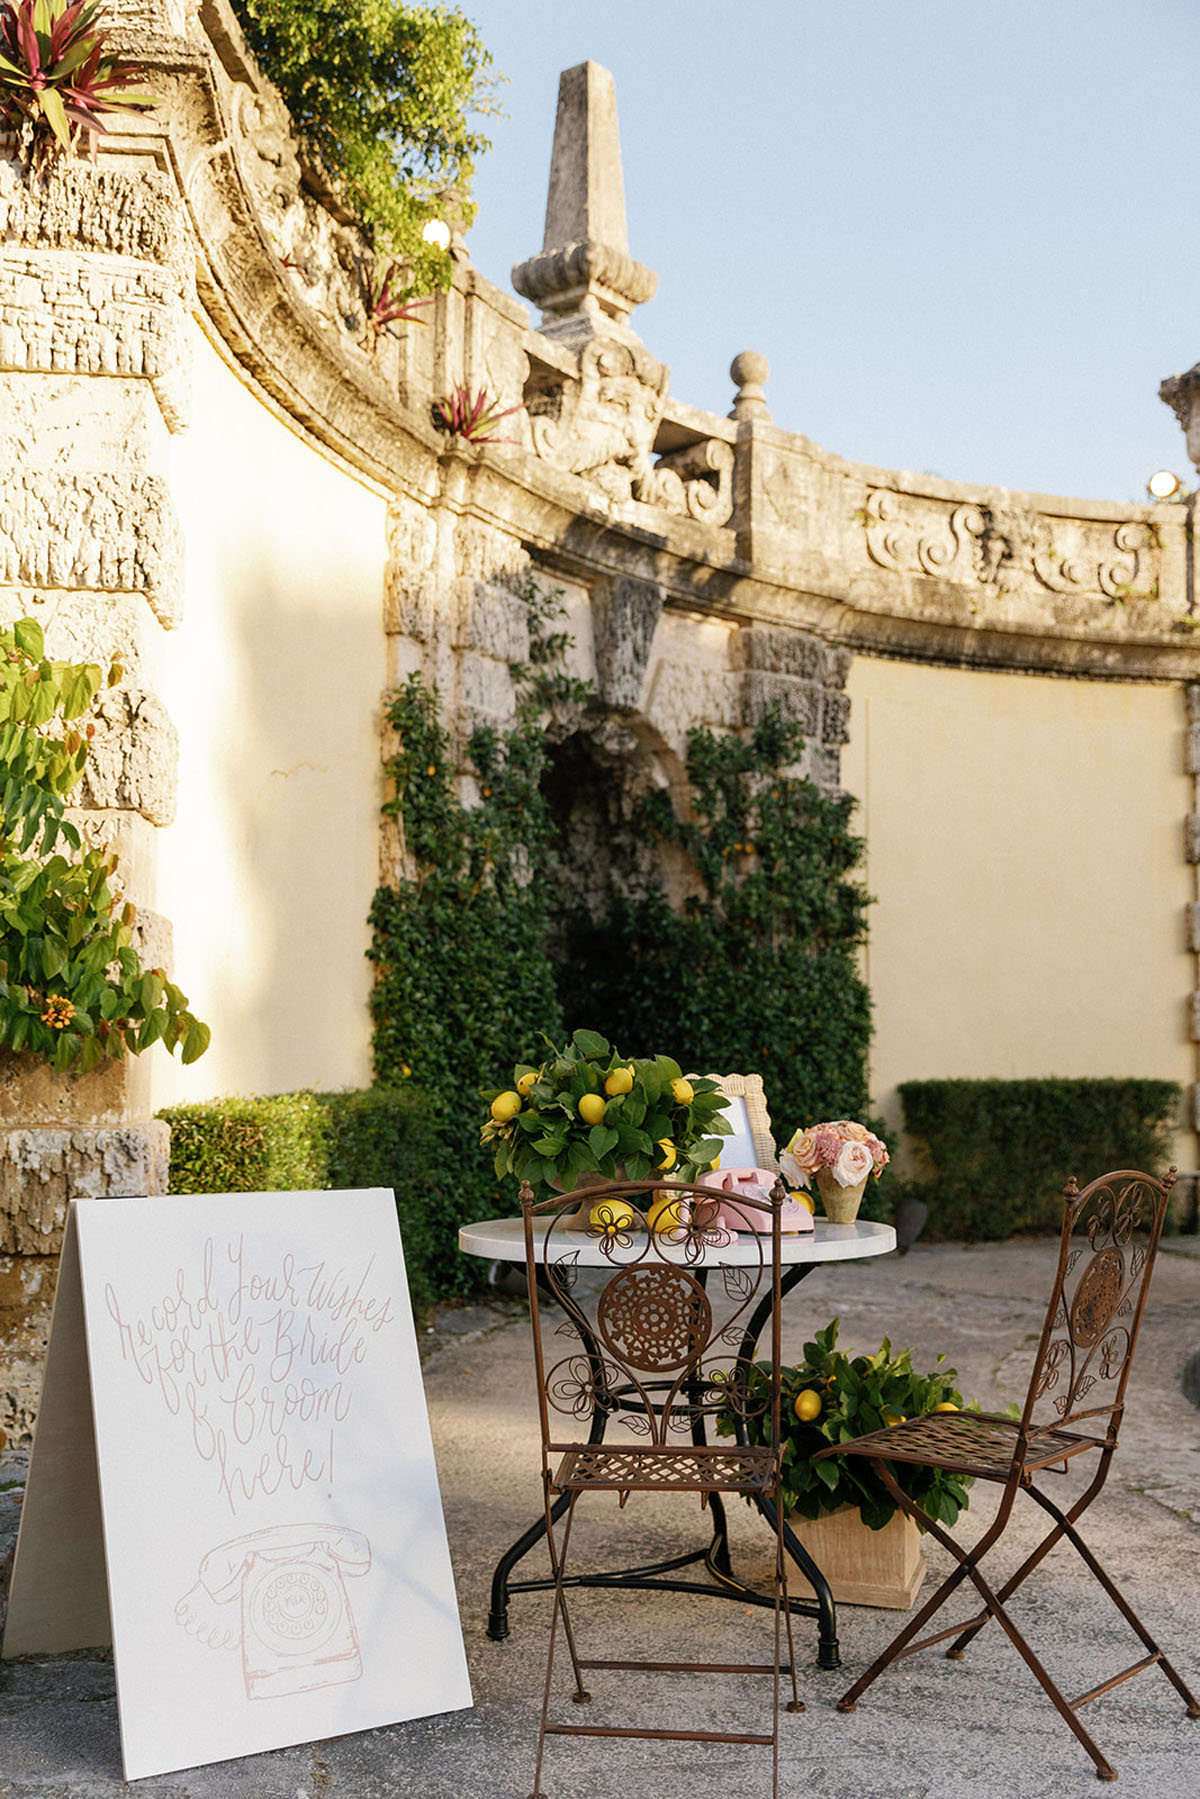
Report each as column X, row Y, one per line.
column 280, row 1595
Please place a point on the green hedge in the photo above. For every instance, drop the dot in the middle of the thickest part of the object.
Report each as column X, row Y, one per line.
column 303, row 1141
column 995, row 1155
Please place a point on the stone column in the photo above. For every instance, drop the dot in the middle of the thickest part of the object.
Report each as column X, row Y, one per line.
column 95, row 286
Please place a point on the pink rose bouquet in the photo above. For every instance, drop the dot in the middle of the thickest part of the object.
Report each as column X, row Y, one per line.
column 848, row 1149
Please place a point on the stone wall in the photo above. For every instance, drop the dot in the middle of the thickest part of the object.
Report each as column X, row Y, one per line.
column 712, row 566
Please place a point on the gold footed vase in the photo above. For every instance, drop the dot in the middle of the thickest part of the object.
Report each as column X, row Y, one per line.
column 841, row 1203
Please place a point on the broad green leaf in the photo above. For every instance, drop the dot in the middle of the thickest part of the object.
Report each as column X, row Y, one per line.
column 79, row 689
column 590, row 1043
column 27, row 634
column 602, row 1139
column 196, row 1040
column 44, row 703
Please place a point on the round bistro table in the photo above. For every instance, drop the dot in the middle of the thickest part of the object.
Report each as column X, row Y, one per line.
column 503, row 1240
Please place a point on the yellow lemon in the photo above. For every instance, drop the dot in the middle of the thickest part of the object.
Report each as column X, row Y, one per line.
column 506, row 1106
column 808, row 1405
column 591, row 1108
column 804, row 1197
column 664, row 1213
column 947, row 1405
column 619, row 1081
column 669, row 1155
column 611, row 1214
column 890, row 1418
column 683, row 1092
column 526, row 1082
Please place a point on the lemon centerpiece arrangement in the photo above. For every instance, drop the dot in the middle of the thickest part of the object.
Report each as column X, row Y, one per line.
column 586, row 1111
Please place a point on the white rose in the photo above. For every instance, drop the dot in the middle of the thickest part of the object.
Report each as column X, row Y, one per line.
column 790, row 1169
column 854, row 1164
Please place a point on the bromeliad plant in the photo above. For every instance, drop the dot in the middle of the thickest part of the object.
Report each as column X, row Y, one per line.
column 589, row 1110
column 72, row 989
column 57, row 78
column 388, row 304
column 473, row 417
column 833, row 1396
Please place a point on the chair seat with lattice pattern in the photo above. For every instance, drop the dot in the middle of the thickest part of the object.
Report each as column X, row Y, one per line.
column 702, row 1468
column 979, row 1444
column 1109, row 1240
column 648, row 1347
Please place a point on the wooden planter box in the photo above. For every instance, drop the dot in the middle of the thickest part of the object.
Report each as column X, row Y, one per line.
column 863, row 1567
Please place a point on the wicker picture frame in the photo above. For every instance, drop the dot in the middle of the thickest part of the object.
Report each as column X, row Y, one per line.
column 748, row 1089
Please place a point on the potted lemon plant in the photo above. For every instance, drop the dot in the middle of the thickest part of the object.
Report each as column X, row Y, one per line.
column 866, row 1546
column 586, row 1112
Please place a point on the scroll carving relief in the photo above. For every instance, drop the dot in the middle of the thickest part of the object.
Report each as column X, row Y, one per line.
column 696, row 481
column 1009, row 549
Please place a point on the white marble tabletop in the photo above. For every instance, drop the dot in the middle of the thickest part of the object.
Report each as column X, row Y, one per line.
column 503, row 1240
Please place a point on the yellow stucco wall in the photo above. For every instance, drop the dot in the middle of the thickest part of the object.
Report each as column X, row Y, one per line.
column 274, row 682
column 1026, row 853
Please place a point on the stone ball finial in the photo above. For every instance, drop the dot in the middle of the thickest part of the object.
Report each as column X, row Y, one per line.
column 749, row 369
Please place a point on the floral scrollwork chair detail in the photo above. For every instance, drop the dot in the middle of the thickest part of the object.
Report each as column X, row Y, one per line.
column 654, row 1354
column 1073, row 1408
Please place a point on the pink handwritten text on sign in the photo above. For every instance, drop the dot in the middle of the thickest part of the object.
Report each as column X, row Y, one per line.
column 258, row 1359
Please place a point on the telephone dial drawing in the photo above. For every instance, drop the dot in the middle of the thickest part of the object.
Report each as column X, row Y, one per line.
column 280, row 1596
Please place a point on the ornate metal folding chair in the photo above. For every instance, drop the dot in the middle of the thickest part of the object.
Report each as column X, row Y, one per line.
column 1109, row 1241
column 650, row 1354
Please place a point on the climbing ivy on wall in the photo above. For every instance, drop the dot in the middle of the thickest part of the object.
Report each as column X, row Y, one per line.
column 463, row 983
column 759, row 972
column 381, row 94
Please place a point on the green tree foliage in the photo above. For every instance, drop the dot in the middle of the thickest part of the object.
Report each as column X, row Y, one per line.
column 381, row 94
column 72, row 989
column 759, row 972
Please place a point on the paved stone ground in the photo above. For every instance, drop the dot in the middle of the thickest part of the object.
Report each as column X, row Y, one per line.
column 930, row 1729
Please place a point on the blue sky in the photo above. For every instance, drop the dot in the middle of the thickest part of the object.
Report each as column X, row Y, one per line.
column 964, row 235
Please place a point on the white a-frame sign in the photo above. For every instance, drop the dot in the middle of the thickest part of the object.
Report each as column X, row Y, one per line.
column 233, row 1478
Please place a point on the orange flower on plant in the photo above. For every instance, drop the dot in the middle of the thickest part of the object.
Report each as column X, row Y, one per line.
column 57, row 1012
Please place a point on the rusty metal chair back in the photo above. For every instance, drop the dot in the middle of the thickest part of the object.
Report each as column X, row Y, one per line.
column 1110, row 1237
column 1073, row 1407
column 661, row 1360
column 629, row 1334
